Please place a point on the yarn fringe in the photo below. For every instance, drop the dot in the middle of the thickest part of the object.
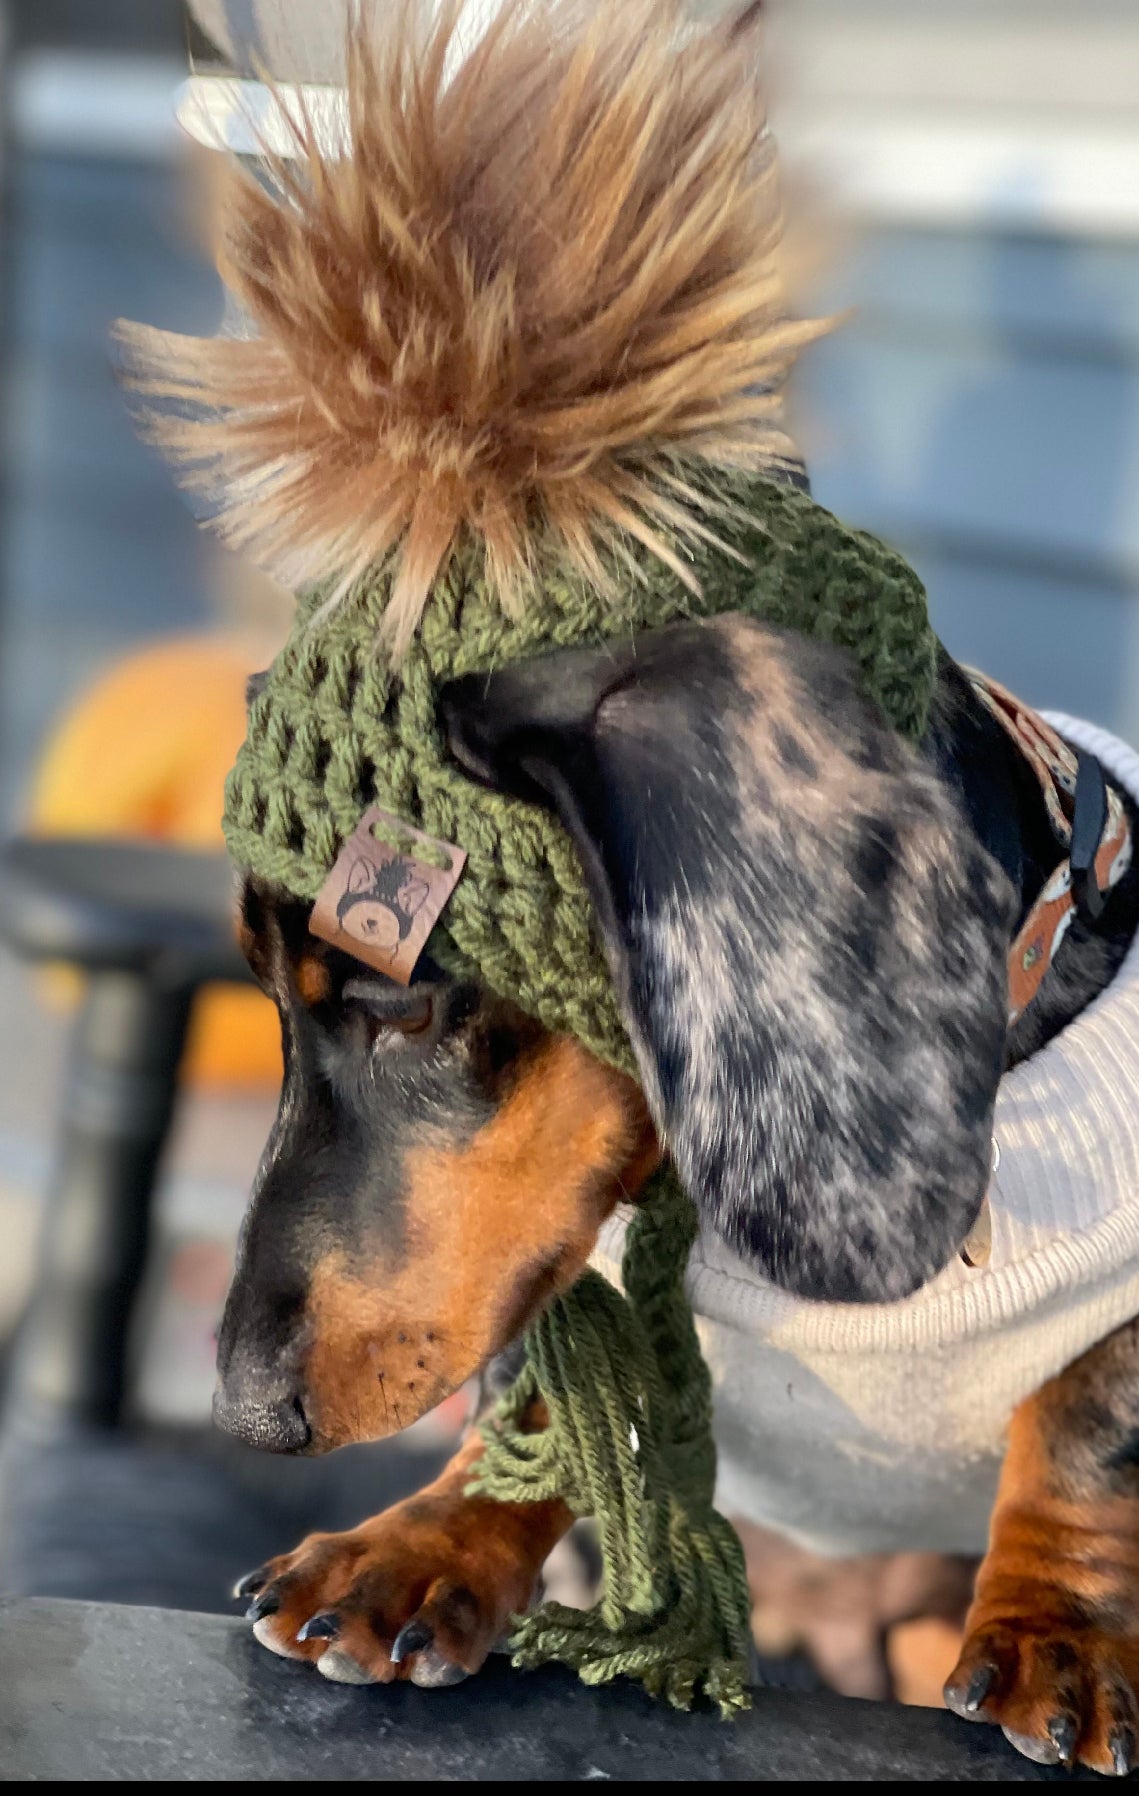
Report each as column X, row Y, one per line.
column 629, row 1442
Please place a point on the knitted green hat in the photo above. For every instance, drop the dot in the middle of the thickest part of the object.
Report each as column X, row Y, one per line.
column 335, row 729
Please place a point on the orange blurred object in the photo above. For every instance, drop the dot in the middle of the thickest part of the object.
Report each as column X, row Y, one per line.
column 144, row 753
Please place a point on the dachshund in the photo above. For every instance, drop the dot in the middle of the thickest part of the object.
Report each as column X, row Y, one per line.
column 810, row 920
column 442, row 1165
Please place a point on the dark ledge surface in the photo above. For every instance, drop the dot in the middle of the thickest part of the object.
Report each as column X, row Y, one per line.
column 93, row 1692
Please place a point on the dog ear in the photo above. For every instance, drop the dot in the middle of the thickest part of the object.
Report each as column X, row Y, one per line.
column 361, row 877
column 412, row 895
column 807, row 939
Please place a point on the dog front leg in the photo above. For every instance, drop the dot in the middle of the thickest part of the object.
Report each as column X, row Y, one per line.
column 1051, row 1647
column 421, row 1592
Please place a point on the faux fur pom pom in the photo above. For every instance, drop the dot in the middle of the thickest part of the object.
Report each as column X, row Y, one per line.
column 538, row 298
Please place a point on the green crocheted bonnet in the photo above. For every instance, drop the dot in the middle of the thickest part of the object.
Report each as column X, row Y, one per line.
column 334, row 730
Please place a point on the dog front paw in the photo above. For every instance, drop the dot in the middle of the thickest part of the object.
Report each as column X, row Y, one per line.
column 422, row 1592
column 1063, row 1686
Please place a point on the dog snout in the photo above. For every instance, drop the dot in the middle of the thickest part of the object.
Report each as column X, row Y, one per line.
column 273, row 1421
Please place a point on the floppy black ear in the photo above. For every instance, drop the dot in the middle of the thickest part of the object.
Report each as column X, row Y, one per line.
column 807, row 938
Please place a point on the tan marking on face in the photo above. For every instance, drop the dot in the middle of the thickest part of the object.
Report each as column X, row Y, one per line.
column 492, row 1231
column 313, row 980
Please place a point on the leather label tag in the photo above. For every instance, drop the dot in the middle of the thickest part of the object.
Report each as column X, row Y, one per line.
column 385, row 893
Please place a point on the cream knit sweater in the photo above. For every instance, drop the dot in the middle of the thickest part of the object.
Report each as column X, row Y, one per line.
column 869, row 1428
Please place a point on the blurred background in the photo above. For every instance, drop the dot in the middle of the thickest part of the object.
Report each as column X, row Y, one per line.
column 980, row 409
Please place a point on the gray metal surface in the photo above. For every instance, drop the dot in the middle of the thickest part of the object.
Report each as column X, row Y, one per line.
column 90, row 1693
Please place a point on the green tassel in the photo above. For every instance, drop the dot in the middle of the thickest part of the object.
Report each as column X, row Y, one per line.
column 629, row 1442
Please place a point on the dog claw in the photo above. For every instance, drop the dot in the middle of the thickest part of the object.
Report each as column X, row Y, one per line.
column 432, row 1671
column 1062, row 1733
column 980, row 1685
column 340, row 1668
column 413, row 1636
column 320, row 1627
column 1122, row 1749
column 249, row 1585
column 266, row 1604
column 1031, row 1746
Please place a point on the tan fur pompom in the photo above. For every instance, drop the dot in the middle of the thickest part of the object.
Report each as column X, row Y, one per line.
column 538, row 299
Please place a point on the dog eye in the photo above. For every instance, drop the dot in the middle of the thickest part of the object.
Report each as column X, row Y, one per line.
column 394, row 1013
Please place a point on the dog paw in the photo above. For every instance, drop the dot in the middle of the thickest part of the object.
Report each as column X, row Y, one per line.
column 421, row 1593
column 1064, row 1691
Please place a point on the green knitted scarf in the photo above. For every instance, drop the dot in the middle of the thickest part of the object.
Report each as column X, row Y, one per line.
column 629, row 1441
column 333, row 731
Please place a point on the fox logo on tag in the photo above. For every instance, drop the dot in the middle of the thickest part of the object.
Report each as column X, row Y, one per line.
column 379, row 903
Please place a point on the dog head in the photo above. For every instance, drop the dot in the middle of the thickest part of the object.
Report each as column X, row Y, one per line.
column 807, row 943
column 438, row 1171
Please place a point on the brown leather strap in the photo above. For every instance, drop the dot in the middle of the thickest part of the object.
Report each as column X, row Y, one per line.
column 1055, row 766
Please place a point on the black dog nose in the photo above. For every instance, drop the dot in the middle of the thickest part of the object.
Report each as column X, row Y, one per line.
column 277, row 1425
